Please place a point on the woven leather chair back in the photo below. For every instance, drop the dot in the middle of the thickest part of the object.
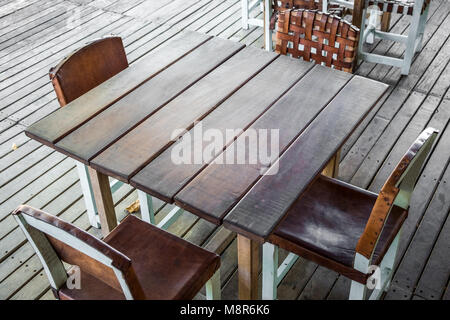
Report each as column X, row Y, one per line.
column 321, row 37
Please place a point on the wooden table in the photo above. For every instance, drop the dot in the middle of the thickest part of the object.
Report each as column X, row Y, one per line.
column 123, row 128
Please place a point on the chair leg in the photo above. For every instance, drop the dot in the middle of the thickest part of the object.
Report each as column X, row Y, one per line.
column 357, row 291
column 244, row 8
column 389, row 260
column 325, row 6
column 422, row 24
column 146, row 204
column 269, row 271
column 412, row 36
column 88, row 195
column 213, row 287
column 267, row 32
column 362, row 36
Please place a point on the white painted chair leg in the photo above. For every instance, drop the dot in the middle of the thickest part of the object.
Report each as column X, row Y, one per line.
column 325, row 6
column 88, row 195
column 269, row 271
column 412, row 36
column 362, row 36
column 267, row 32
column 422, row 24
column 244, row 8
column 213, row 287
column 357, row 291
column 389, row 261
column 170, row 218
column 146, row 204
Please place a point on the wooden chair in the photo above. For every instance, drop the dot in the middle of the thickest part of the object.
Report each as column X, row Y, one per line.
column 124, row 265
column 321, row 37
column 348, row 229
column 76, row 74
column 418, row 9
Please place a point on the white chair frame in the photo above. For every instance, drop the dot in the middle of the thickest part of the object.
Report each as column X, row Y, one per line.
column 145, row 201
column 35, row 230
column 413, row 40
column 266, row 7
column 272, row 274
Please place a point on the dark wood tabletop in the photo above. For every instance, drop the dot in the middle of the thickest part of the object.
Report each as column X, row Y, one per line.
column 123, row 128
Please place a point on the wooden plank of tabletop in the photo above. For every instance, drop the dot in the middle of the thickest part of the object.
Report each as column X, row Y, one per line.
column 220, row 186
column 164, row 178
column 63, row 121
column 180, row 114
column 259, row 211
column 107, row 127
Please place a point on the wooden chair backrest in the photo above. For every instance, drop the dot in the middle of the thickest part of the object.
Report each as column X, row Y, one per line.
column 55, row 241
column 317, row 36
column 398, row 6
column 87, row 67
column 396, row 191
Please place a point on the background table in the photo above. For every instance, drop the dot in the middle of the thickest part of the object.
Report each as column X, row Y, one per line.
column 123, row 128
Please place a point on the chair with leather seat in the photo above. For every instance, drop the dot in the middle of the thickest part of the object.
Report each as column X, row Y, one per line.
column 271, row 9
column 124, row 265
column 348, row 229
column 320, row 37
column 79, row 72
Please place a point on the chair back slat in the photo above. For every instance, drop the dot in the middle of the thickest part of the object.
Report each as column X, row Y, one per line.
column 321, row 37
column 396, row 191
column 88, row 67
column 77, row 247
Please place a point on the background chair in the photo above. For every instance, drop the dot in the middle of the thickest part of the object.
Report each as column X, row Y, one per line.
column 123, row 266
column 348, row 229
column 271, row 8
column 418, row 9
column 76, row 74
column 321, row 37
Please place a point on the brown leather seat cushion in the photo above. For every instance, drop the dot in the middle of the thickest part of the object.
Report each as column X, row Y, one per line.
column 167, row 267
column 329, row 219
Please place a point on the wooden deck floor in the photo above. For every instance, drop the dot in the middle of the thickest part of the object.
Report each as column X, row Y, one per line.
column 36, row 34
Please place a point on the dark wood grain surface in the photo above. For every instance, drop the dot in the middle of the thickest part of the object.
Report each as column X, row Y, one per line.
column 104, row 129
column 220, row 186
column 238, row 112
column 266, row 203
column 181, row 113
column 124, row 127
column 58, row 124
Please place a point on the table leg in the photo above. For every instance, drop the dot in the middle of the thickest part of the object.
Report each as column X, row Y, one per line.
column 103, row 200
column 332, row 168
column 248, row 267
column 357, row 13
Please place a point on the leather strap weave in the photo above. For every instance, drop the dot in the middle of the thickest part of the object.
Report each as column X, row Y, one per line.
column 317, row 36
